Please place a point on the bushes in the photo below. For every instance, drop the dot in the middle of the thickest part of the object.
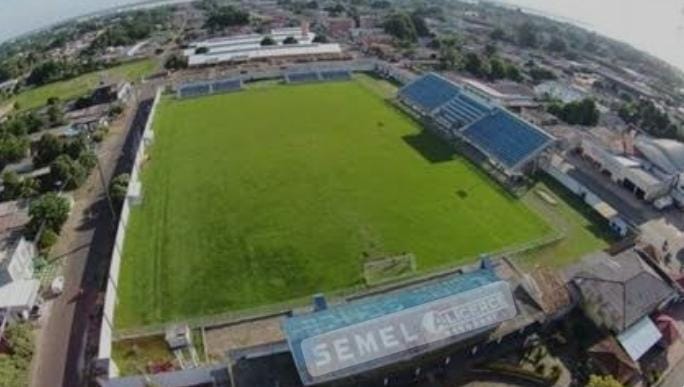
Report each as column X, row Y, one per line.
column 576, row 113
column 47, row 239
column 49, row 209
column 14, row 367
column 118, row 188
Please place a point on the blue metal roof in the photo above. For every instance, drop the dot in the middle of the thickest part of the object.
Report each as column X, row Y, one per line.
column 302, row 329
column 339, row 316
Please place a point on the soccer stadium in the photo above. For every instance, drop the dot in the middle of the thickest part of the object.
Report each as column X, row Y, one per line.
column 269, row 195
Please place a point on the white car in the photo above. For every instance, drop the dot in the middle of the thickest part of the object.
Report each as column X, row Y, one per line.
column 57, row 285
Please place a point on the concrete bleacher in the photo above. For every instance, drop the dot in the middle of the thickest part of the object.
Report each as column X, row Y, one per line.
column 194, row 90
column 493, row 131
column 209, row 87
column 309, row 76
column 226, row 85
column 335, row 75
column 506, row 138
column 462, row 110
column 429, row 92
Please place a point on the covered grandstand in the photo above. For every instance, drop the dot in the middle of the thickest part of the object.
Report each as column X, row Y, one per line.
column 379, row 331
column 198, row 89
column 507, row 141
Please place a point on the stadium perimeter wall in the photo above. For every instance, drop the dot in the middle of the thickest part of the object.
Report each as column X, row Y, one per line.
column 134, row 185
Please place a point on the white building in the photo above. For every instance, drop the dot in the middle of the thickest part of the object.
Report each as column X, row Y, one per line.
column 248, row 47
column 18, row 289
column 653, row 170
column 630, row 172
column 557, row 90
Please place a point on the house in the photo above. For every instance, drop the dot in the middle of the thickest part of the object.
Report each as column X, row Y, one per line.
column 114, row 92
column 620, row 293
column 18, row 289
column 617, row 291
column 16, row 253
column 87, row 119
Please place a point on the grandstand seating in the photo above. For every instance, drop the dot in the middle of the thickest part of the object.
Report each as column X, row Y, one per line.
column 335, row 75
column 226, row 85
column 194, row 90
column 310, row 76
column 429, row 92
column 506, row 138
column 461, row 110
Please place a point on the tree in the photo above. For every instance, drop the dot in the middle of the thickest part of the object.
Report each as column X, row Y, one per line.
column 12, row 148
column 556, row 44
column 290, row 40
column 541, row 74
column 473, row 64
column 649, row 117
column 497, row 70
column 226, row 16
column 497, row 34
column 76, row 147
column 175, row 62
column 47, row 239
column 55, row 115
column 400, row 25
column 513, row 73
column 582, row 112
column 11, row 185
column 49, row 209
column 66, row 172
column 47, row 149
column 14, row 366
column 448, row 57
column 490, row 50
column 603, row 381
column 11, row 374
column 118, row 188
column 419, row 24
column 268, row 41
column 527, row 35
column 320, row 38
column 88, row 160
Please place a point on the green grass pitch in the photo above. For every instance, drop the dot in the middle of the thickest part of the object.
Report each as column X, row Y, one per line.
column 275, row 193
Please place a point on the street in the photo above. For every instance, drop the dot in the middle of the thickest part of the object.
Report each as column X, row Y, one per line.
column 84, row 245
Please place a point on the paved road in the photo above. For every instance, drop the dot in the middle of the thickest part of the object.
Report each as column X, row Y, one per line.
column 85, row 245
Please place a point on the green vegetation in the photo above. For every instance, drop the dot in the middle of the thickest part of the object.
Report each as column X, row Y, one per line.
column 14, row 366
column 50, row 210
column 492, row 68
column 133, row 27
column 118, row 188
column 245, row 208
column 221, row 17
column 81, row 85
column 647, row 116
column 582, row 112
column 401, row 26
column 133, row 356
column 603, row 381
column 584, row 231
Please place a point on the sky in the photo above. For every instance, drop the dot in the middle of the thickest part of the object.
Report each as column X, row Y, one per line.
column 656, row 26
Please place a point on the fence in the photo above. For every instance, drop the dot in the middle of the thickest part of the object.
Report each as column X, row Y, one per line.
column 107, row 328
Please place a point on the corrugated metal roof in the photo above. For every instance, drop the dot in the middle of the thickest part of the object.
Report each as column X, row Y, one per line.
column 639, row 338
column 382, row 330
